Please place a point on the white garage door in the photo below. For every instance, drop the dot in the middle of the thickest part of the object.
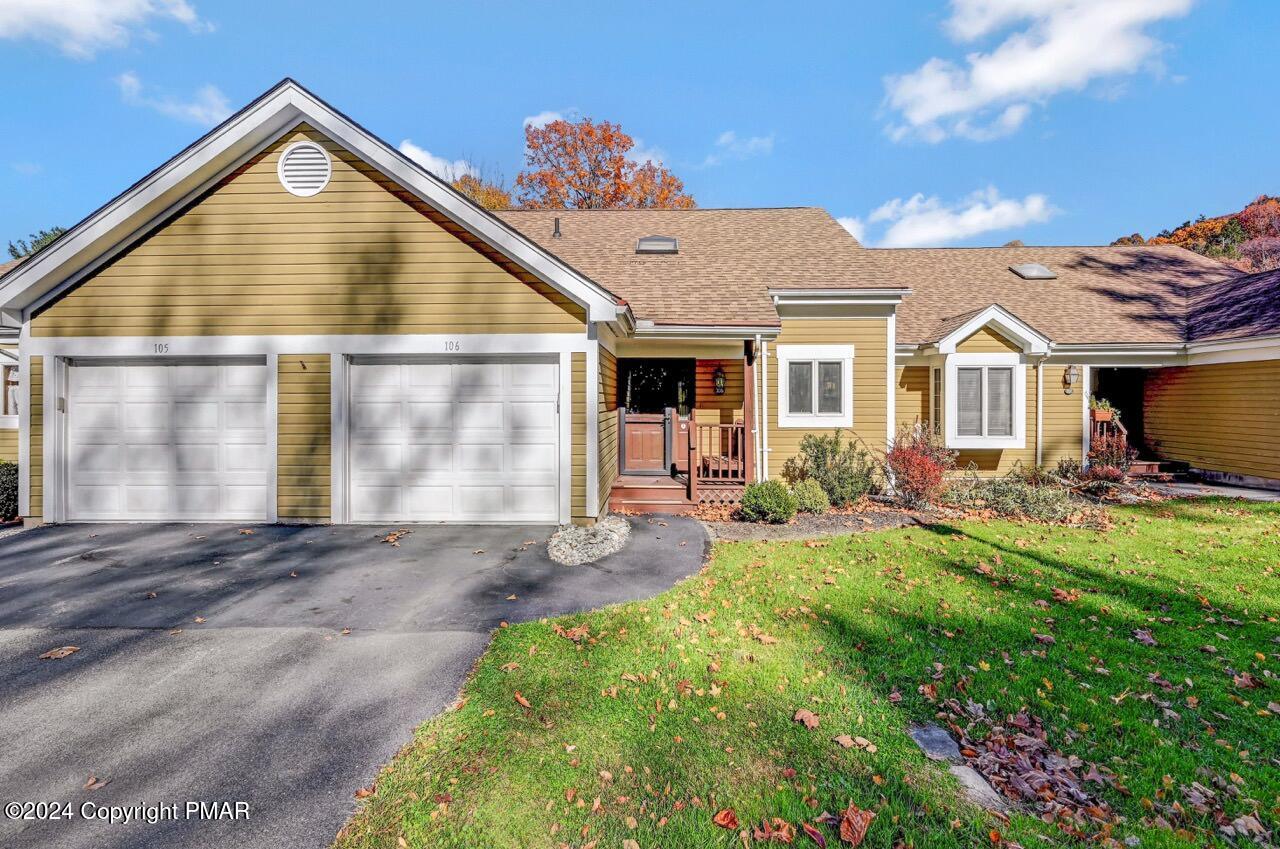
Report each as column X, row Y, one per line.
column 454, row 441
column 155, row 442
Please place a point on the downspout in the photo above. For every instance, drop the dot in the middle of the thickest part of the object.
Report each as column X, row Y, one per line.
column 764, row 407
column 755, row 418
column 1040, row 412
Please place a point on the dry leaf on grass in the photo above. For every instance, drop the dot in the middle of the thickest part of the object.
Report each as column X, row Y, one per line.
column 522, row 701
column 807, row 717
column 814, row 835
column 854, row 823
column 726, row 818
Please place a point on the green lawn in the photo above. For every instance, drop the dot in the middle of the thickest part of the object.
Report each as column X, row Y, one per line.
column 675, row 708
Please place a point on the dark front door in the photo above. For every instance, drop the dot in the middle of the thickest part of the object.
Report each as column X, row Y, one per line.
column 645, row 443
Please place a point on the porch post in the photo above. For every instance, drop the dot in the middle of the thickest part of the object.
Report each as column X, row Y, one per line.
column 749, row 407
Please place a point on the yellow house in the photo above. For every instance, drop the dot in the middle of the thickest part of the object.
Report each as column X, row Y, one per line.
column 290, row 321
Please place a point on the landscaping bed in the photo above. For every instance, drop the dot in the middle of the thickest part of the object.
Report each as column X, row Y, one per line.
column 1117, row 688
column 804, row 526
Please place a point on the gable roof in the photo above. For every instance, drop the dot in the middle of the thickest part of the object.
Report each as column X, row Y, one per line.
column 728, row 259
column 950, row 332
column 1101, row 294
column 137, row 210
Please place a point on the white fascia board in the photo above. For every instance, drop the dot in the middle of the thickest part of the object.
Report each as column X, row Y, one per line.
column 809, row 297
column 675, row 331
column 1010, row 326
column 173, row 184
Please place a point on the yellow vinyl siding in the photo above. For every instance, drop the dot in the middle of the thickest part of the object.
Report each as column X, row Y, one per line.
column 1222, row 418
column 911, row 399
column 9, row 445
column 35, row 444
column 608, row 426
column 719, row 409
column 870, row 340
column 362, row 256
column 987, row 341
column 1063, row 420
column 578, row 474
column 303, row 447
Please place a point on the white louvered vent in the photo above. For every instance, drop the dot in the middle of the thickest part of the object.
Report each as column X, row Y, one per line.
column 304, row 169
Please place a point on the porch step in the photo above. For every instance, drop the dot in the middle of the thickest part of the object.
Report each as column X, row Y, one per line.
column 1157, row 469
column 649, row 494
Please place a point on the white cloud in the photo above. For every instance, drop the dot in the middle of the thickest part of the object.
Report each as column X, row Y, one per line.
column 921, row 221
column 730, row 146
column 443, row 168
column 642, row 153
column 1062, row 45
column 81, row 28
column 545, row 117
column 856, row 227
column 27, row 169
column 207, row 107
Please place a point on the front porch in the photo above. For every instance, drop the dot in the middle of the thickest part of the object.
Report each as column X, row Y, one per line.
column 686, row 432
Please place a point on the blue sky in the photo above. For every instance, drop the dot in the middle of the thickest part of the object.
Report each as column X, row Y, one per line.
column 924, row 122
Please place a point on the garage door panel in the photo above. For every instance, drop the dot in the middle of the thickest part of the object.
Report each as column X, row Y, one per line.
column 154, row 442
column 479, row 441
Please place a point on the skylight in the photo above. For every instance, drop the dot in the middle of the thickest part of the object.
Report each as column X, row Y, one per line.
column 657, row 245
column 1033, row 271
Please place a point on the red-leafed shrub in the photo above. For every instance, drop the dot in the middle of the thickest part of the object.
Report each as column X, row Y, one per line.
column 1104, row 473
column 1111, row 450
column 917, row 465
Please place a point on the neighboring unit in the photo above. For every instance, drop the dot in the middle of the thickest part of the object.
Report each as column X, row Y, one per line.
column 290, row 321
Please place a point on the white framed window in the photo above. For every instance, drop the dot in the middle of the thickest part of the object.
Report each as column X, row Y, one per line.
column 986, row 401
column 935, row 401
column 815, row 386
column 10, row 400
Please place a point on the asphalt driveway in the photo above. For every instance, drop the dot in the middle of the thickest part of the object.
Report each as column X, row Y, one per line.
column 279, row 668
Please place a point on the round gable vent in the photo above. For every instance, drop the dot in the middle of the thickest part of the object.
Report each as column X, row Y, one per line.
column 304, row 169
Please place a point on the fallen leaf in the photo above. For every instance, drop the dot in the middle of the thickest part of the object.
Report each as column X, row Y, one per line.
column 807, row 717
column 522, row 701
column 814, row 835
column 198, row 620
column 95, row 783
column 845, row 741
column 59, row 653
column 630, row 844
column 507, row 667
column 726, row 818
column 1144, row 636
column 364, row 793
column 854, row 823
column 247, row 532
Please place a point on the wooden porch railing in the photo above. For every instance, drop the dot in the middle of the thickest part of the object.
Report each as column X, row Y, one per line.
column 718, row 454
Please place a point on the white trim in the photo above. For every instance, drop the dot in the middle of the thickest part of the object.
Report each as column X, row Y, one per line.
column 566, row 437
column 648, row 330
column 1019, row 437
column 285, row 106
column 1040, row 413
column 593, row 426
column 1004, row 321
column 811, row 297
column 9, row 422
column 339, row 402
column 424, row 344
column 304, row 193
column 816, row 353
column 272, row 427
column 892, row 385
column 764, row 408
column 24, row 424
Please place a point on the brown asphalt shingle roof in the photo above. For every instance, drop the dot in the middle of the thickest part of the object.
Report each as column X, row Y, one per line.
column 1247, row 306
column 1101, row 294
column 728, row 259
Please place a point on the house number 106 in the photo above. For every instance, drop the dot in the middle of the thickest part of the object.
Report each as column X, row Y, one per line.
column 452, row 345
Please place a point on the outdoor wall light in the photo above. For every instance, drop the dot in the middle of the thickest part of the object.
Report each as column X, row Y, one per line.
column 717, row 377
column 1070, row 377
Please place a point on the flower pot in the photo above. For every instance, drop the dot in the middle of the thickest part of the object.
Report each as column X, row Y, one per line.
column 1102, row 415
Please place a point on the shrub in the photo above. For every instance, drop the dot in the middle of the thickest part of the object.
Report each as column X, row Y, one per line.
column 1111, row 450
column 844, row 470
column 809, row 497
column 1106, row 474
column 917, row 464
column 8, row 491
column 1068, row 468
column 768, row 501
column 1012, row 495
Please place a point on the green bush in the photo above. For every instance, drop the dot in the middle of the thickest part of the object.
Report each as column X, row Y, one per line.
column 8, row 491
column 1013, row 495
column 844, row 470
column 809, row 497
column 1068, row 468
column 768, row 501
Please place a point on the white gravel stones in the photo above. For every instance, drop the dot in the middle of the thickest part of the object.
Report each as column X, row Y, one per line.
column 574, row 545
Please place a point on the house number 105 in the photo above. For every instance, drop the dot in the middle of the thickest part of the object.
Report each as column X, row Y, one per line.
column 162, row 347
column 453, row 345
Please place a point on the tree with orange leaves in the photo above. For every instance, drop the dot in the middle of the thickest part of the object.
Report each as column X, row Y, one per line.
column 584, row 165
column 488, row 194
